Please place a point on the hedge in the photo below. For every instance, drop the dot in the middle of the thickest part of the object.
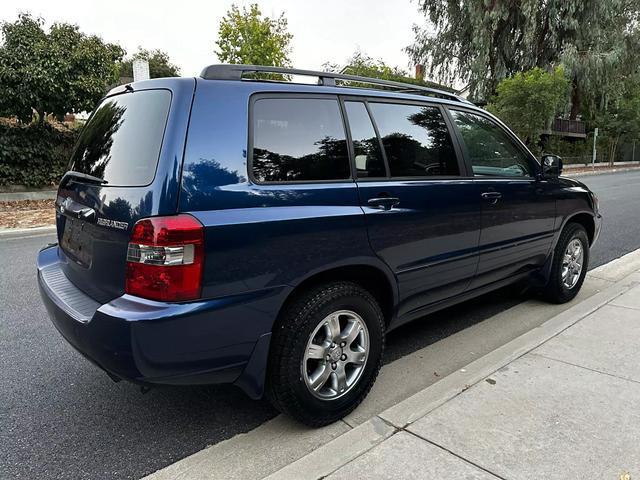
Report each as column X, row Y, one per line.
column 34, row 155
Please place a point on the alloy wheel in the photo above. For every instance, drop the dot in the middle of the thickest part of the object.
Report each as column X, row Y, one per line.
column 336, row 355
column 572, row 263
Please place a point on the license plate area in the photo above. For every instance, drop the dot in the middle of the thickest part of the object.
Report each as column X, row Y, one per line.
column 76, row 241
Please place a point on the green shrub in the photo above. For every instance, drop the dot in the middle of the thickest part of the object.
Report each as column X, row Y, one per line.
column 34, row 155
column 528, row 102
column 568, row 148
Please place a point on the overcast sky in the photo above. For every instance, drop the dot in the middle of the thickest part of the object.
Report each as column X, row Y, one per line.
column 324, row 31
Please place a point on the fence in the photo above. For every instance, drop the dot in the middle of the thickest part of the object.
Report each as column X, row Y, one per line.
column 626, row 152
column 585, row 160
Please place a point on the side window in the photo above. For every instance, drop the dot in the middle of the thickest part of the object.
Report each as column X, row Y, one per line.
column 492, row 151
column 298, row 139
column 416, row 140
column 366, row 147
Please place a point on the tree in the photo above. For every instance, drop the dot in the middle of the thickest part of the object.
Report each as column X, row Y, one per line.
column 483, row 42
column 363, row 65
column 159, row 64
column 246, row 37
column 622, row 116
column 58, row 72
column 539, row 93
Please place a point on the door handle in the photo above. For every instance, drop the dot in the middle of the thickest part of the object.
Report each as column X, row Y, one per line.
column 384, row 203
column 491, row 196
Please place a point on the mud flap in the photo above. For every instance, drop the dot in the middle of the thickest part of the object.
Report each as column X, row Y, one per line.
column 252, row 379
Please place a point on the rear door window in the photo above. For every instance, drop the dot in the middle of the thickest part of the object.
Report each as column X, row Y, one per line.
column 416, row 140
column 121, row 142
column 366, row 146
column 298, row 139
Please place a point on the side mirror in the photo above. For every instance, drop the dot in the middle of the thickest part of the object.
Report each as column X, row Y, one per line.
column 551, row 166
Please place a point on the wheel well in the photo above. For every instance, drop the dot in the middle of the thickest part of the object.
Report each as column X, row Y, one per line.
column 587, row 222
column 370, row 278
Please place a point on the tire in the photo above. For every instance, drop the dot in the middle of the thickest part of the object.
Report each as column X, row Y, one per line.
column 560, row 289
column 305, row 330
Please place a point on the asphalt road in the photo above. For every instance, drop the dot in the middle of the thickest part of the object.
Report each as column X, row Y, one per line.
column 60, row 417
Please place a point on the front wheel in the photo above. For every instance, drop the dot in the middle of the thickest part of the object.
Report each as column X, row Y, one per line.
column 326, row 352
column 570, row 263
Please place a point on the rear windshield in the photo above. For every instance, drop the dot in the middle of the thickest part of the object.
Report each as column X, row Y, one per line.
column 121, row 141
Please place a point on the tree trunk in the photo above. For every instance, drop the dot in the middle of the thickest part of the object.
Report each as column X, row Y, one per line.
column 612, row 149
column 575, row 99
column 41, row 116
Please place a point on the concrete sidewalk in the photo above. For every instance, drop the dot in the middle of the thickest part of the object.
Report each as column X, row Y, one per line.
column 560, row 402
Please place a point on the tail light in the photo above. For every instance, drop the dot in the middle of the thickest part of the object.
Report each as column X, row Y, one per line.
column 165, row 258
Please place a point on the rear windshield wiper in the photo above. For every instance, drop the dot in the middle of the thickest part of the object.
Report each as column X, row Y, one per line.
column 83, row 176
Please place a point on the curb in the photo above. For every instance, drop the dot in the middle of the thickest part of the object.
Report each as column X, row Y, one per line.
column 596, row 172
column 342, row 450
column 9, row 233
column 347, row 447
column 30, row 195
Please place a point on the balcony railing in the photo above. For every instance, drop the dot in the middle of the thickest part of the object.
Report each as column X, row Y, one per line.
column 568, row 128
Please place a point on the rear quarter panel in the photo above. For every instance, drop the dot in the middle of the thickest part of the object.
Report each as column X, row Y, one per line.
column 260, row 236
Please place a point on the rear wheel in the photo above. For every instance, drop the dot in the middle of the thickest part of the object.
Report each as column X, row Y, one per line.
column 326, row 352
column 570, row 263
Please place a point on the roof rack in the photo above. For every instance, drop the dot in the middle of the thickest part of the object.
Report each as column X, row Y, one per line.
column 235, row 72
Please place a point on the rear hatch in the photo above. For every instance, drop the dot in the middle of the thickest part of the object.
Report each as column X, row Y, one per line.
column 125, row 167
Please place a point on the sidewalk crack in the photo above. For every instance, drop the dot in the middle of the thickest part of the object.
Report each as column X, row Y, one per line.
column 351, row 427
column 612, row 304
column 585, row 368
column 484, row 469
column 595, row 275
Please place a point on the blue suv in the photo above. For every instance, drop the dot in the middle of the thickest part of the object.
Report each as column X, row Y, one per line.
column 239, row 228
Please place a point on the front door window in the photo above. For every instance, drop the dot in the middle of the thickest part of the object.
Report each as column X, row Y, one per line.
column 491, row 151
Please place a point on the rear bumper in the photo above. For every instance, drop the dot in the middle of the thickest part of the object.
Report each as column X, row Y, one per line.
column 223, row 340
